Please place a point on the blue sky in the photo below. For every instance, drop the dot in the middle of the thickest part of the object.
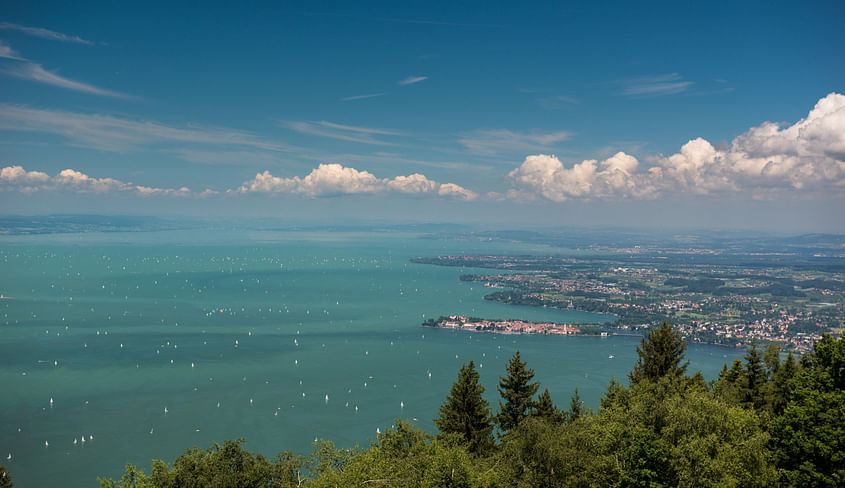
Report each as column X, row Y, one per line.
column 715, row 114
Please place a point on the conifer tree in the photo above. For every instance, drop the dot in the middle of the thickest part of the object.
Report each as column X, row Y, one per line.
column 466, row 411
column 772, row 359
column 660, row 354
column 545, row 409
column 755, row 379
column 576, row 406
column 780, row 384
column 517, row 393
column 731, row 382
column 808, row 437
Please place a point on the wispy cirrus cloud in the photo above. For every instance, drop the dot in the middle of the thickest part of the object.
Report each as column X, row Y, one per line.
column 6, row 52
column 361, row 97
column 18, row 66
column 411, row 80
column 44, row 33
column 494, row 141
column 110, row 133
column 28, row 70
column 655, row 86
column 554, row 102
column 351, row 133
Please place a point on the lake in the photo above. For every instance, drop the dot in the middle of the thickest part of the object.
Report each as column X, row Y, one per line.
column 144, row 344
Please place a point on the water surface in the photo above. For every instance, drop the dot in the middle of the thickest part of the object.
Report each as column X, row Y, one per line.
column 279, row 337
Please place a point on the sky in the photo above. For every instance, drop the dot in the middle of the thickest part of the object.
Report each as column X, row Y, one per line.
column 722, row 115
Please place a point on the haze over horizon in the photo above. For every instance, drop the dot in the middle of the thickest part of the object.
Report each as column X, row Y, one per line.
column 716, row 115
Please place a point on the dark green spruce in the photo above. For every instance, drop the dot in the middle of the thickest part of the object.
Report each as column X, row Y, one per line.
column 545, row 409
column 660, row 355
column 466, row 412
column 517, row 393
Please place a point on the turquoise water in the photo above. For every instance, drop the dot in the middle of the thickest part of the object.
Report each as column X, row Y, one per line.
column 277, row 337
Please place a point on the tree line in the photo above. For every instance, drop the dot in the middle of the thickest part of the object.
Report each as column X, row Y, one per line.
column 765, row 421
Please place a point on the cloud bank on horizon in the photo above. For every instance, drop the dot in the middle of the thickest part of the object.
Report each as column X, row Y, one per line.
column 766, row 161
column 335, row 179
column 18, row 179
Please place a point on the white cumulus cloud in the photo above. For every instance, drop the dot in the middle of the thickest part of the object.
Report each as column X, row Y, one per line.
column 766, row 160
column 547, row 176
column 331, row 179
column 16, row 178
column 456, row 191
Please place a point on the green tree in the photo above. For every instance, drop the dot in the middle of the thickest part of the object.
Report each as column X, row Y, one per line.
column 772, row 359
column 449, row 467
column 544, row 455
column 780, row 384
column 222, row 465
column 755, row 380
column 730, row 384
column 660, row 354
column 576, row 407
column 666, row 434
column 405, row 456
column 809, row 436
column 466, row 411
column 713, row 444
column 132, row 478
column 517, row 393
column 545, row 409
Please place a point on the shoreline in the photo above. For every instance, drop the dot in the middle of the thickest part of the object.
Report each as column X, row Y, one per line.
column 530, row 328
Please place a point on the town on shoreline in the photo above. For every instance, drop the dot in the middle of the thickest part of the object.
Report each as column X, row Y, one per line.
column 461, row 322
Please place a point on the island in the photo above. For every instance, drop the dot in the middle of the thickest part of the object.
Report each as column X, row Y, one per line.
column 460, row 322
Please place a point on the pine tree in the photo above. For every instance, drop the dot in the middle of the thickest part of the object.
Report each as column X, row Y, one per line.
column 466, row 412
column 661, row 353
column 545, row 409
column 517, row 391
